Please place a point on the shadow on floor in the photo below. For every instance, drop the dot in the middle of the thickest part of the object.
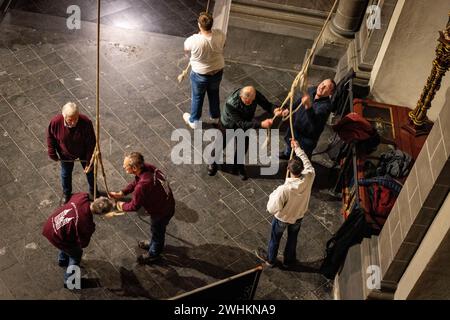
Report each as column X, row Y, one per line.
column 305, row 267
column 181, row 269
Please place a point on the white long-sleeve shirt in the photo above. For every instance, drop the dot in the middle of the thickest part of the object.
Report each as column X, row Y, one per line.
column 289, row 202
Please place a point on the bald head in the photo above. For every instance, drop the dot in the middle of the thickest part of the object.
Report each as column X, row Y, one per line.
column 248, row 95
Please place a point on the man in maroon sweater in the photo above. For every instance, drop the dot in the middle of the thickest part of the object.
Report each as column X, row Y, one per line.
column 71, row 136
column 71, row 226
column 151, row 191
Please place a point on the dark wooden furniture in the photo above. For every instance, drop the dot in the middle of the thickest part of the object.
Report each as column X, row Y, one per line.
column 389, row 120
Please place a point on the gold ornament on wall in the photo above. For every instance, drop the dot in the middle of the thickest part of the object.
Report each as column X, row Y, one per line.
column 418, row 117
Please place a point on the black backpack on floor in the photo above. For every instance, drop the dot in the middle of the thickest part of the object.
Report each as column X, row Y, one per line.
column 352, row 231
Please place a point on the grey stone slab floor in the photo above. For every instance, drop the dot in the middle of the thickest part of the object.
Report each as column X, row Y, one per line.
column 172, row 17
column 219, row 220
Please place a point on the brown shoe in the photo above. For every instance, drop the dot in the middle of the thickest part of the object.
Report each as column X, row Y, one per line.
column 262, row 255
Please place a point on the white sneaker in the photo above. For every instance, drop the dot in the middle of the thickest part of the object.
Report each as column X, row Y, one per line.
column 192, row 125
column 214, row 120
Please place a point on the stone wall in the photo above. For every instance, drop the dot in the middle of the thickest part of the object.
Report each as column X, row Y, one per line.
column 420, row 199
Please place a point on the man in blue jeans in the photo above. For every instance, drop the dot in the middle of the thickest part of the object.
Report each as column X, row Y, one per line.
column 207, row 63
column 152, row 191
column 71, row 137
column 71, row 226
column 289, row 203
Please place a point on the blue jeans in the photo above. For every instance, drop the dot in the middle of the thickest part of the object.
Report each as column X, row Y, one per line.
column 158, row 231
column 66, row 177
column 278, row 228
column 74, row 259
column 201, row 84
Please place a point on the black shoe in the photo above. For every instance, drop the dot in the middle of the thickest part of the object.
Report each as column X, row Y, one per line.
column 66, row 198
column 212, row 169
column 262, row 255
column 289, row 264
column 146, row 258
column 144, row 244
column 243, row 174
column 283, row 156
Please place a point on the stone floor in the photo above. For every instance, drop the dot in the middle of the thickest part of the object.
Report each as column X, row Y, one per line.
column 219, row 220
column 172, row 17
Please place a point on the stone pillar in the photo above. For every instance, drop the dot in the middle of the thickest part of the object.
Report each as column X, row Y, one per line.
column 341, row 31
column 363, row 49
column 348, row 17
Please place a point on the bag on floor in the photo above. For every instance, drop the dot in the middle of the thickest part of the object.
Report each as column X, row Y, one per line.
column 350, row 233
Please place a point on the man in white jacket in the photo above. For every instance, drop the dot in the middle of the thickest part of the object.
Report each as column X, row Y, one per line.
column 289, row 203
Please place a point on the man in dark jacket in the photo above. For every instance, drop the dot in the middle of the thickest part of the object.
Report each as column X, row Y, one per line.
column 310, row 119
column 71, row 136
column 239, row 113
column 71, row 226
column 150, row 190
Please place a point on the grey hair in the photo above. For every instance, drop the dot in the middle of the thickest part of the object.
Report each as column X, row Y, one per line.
column 101, row 205
column 69, row 109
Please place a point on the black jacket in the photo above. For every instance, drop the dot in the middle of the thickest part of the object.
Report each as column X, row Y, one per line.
column 310, row 123
column 236, row 115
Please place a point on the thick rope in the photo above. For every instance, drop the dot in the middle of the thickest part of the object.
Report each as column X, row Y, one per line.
column 96, row 159
column 184, row 73
column 301, row 82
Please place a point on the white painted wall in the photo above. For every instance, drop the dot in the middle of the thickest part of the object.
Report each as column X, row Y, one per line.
column 406, row 63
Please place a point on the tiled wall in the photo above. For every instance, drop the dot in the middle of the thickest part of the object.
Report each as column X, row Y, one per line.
column 424, row 191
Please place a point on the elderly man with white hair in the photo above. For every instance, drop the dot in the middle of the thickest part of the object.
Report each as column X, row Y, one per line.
column 71, row 136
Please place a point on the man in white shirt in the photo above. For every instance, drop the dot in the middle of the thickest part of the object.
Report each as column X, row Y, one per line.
column 207, row 63
column 289, row 203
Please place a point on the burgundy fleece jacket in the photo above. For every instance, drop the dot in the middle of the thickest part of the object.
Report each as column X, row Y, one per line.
column 72, row 225
column 70, row 143
column 149, row 192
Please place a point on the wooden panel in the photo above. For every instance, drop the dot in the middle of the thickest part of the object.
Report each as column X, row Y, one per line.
column 390, row 118
column 404, row 140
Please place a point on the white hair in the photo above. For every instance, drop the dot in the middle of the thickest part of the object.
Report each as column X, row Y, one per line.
column 70, row 109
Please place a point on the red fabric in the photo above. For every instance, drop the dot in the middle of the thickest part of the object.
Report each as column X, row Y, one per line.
column 354, row 127
column 72, row 225
column 150, row 194
column 70, row 143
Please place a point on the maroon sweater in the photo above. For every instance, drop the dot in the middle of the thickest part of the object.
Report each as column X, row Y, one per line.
column 151, row 191
column 72, row 225
column 70, row 143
